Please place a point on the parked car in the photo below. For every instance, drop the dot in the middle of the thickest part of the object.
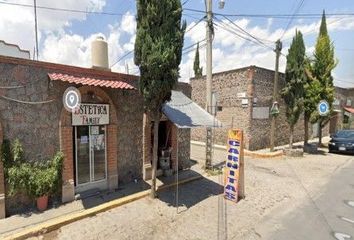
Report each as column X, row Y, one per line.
column 342, row 141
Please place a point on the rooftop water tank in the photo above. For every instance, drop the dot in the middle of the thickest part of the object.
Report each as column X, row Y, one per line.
column 99, row 54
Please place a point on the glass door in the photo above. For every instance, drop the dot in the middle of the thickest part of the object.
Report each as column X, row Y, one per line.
column 90, row 154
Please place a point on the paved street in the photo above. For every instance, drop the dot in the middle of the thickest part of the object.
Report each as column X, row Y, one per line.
column 299, row 198
column 330, row 216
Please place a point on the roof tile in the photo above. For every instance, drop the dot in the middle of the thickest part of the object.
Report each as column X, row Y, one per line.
column 90, row 81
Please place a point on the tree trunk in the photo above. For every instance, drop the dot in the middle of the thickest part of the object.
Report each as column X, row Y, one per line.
column 306, row 125
column 320, row 133
column 291, row 137
column 155, row 154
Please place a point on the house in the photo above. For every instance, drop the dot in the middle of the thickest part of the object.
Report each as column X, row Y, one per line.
column 99, row 154
column 244, row 99
column 344, row 104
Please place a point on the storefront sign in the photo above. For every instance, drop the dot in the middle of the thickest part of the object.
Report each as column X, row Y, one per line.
column 91, row 114
column 232, row 166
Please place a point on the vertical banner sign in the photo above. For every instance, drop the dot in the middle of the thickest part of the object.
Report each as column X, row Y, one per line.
column 232, row 166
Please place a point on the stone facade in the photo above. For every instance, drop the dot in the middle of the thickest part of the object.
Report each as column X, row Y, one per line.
column 344, row 98
column 244, row 101
column 45, row 128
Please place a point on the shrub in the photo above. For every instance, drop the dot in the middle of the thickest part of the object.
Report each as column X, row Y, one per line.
column 34, row 179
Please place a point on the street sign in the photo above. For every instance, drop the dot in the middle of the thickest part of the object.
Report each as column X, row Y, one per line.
column 323, row 108
column 71, row 99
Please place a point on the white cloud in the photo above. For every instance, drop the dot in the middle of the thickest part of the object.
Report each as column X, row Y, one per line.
column 17, row 22
column 128, row 23
column 231, row 51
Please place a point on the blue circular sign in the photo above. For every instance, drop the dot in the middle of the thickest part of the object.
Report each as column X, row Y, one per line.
column 323, row 108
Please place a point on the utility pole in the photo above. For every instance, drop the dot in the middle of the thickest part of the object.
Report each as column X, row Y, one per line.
column 274, row 110
column 209, row 66
column 35, row 26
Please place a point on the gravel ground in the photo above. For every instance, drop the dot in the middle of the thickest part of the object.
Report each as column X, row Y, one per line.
column 274, row 187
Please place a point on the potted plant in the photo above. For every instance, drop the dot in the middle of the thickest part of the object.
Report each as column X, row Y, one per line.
column 45, row 180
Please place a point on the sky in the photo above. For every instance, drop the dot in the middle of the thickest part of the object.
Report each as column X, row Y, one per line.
column 65, row 37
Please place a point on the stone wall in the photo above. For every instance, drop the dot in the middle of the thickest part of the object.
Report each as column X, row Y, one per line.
column 227, row 85
column 257, row 85
column 264, row 82
column 37, row 125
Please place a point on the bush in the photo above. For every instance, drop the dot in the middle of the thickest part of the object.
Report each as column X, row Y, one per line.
column 35, row 179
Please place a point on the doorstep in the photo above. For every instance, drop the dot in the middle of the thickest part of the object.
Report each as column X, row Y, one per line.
column 36, row 223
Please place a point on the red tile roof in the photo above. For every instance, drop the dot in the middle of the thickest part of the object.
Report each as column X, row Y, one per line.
column 349, row 109
column 90, row 81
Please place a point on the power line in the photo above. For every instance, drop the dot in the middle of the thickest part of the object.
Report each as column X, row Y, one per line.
column 190, row 46
column 122, row 57
column 185, row 2
column 303, row 15
column 315, row 29
column 62, row 9
column 199, row 21
column 232, row 31
column 192, row 50
column 246, row 32
column 292, row 18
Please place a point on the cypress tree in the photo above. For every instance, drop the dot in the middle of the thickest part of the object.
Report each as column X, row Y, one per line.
column 295, row 78
column 158, row 53
column 320, row 85
column 198, row 71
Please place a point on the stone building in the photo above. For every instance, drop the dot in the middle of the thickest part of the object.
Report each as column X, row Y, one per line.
column 98, row 154
column 244, row 99
column 344, row 104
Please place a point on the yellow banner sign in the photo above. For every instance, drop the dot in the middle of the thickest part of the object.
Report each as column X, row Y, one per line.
column 232, row 171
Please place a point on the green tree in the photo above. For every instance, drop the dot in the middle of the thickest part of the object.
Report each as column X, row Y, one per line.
column 320, row 84
column 198, row 71
column 158, row 53
column 295, row 78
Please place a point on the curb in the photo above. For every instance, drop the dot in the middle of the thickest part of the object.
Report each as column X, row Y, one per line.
column 264, row 155
column 59, row 222
column 247, row 152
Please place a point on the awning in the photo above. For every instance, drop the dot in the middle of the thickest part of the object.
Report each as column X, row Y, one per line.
column 349, row 109
column 90, row 81
column 185, row 113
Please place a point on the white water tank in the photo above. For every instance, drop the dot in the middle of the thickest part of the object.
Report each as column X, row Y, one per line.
column 99, row 54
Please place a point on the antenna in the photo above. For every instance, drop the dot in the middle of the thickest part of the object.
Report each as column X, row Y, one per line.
column 35, row 26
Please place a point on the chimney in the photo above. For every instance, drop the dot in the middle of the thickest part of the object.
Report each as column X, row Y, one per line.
column 99, row 54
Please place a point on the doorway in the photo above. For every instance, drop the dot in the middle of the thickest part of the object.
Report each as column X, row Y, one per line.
column 90, row 157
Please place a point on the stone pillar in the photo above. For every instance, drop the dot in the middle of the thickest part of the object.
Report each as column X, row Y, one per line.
column 112, row 161
column 2, row 184
column 147, row 168
column 66, row 146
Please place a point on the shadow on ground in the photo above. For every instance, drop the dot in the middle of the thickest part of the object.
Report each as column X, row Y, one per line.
column 190, row 194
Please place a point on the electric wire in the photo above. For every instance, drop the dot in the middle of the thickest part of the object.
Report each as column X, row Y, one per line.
column 285, row 16
column 292, row 18
column 261, row 41
column 62, row 9
column 122, row 57
column 195, row 24
column 219, row 25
